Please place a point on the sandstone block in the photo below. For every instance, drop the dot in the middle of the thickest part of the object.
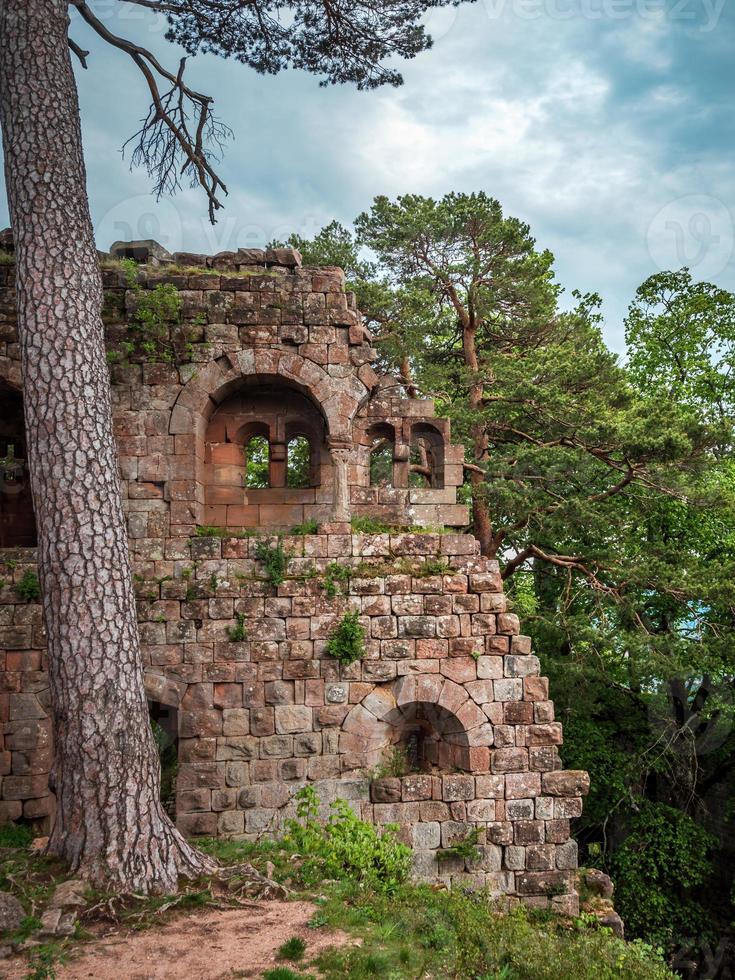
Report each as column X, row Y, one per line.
column 426, row 836
column 521, row 785
column 290, row 719
column 566, row 782
column 458, row 787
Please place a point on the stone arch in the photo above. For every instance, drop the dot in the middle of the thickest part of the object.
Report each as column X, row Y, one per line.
column 338, row 399
column 427, row 440
column 17, row 517
column 165, row 690
column 432, row 703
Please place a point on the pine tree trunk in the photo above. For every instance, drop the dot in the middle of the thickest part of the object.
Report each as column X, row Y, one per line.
column 110, row 826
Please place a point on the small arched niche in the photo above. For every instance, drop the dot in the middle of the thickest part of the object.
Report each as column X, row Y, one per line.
column 429, row 737
column 17, row 520
column 266, row 458
column 426, row 468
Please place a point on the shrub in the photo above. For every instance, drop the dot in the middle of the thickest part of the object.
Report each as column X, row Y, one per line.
column 346, row 846
column 156, row 310
column 275, row 560
column 657, row 872
column 29, row 588
column 466, row 848
column 346, row 642
column 394, row 763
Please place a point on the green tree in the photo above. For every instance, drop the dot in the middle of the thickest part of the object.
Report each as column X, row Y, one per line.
column 609, row 491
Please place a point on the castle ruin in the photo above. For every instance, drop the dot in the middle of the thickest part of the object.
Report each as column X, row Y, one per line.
column 254, row 411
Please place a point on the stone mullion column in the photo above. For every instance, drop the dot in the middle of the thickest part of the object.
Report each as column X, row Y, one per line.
column 278, row 463
column 341, row 458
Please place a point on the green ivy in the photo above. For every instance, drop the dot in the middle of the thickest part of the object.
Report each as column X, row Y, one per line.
column 466, row 848
column 335, row 575
column 346, row 642
column 149, row 328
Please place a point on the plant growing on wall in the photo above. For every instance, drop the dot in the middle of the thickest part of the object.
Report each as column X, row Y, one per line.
column 346, row 642
column 275, row 560
column 29, row 588
column 236, row 633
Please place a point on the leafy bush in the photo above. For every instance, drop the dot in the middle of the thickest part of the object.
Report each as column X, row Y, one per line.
column 346, row 642
column 346, row 846
column 466, row 848
column 395, row 762
column 275, row 560
column 657, row 872
column 150, row 324
column 29, row 588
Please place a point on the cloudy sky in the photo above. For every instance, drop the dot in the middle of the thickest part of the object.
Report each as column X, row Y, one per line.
column 606, row 124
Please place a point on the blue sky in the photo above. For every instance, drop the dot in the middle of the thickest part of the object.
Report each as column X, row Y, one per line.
column 606, row 124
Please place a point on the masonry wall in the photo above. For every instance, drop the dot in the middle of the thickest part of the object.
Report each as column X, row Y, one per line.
column 446, row 675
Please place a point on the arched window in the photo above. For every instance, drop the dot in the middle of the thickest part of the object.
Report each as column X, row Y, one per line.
column 257, row 462
column 382, row 450
column 17, row 521
column 426, row 467
column 298, row 463
column 164, row 722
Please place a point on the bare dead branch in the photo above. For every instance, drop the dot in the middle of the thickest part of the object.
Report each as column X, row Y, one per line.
column 165, row 144
column 79, row 52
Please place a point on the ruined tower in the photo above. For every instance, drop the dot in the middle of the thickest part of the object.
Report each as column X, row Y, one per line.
column 250, row 420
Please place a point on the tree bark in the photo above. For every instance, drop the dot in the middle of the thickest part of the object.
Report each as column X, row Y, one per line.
column 110, row 826
column 481, row 523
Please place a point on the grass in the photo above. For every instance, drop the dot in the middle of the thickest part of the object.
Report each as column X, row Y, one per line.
column 209, row 531
column 308, row 527
column 419, row 932
column 409, row 932
column 293, row 949
column 372, row 525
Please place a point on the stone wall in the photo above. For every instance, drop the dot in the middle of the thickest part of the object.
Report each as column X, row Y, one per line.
column 446, row 674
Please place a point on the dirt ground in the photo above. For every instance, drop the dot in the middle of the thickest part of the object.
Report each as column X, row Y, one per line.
column 217, row 945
